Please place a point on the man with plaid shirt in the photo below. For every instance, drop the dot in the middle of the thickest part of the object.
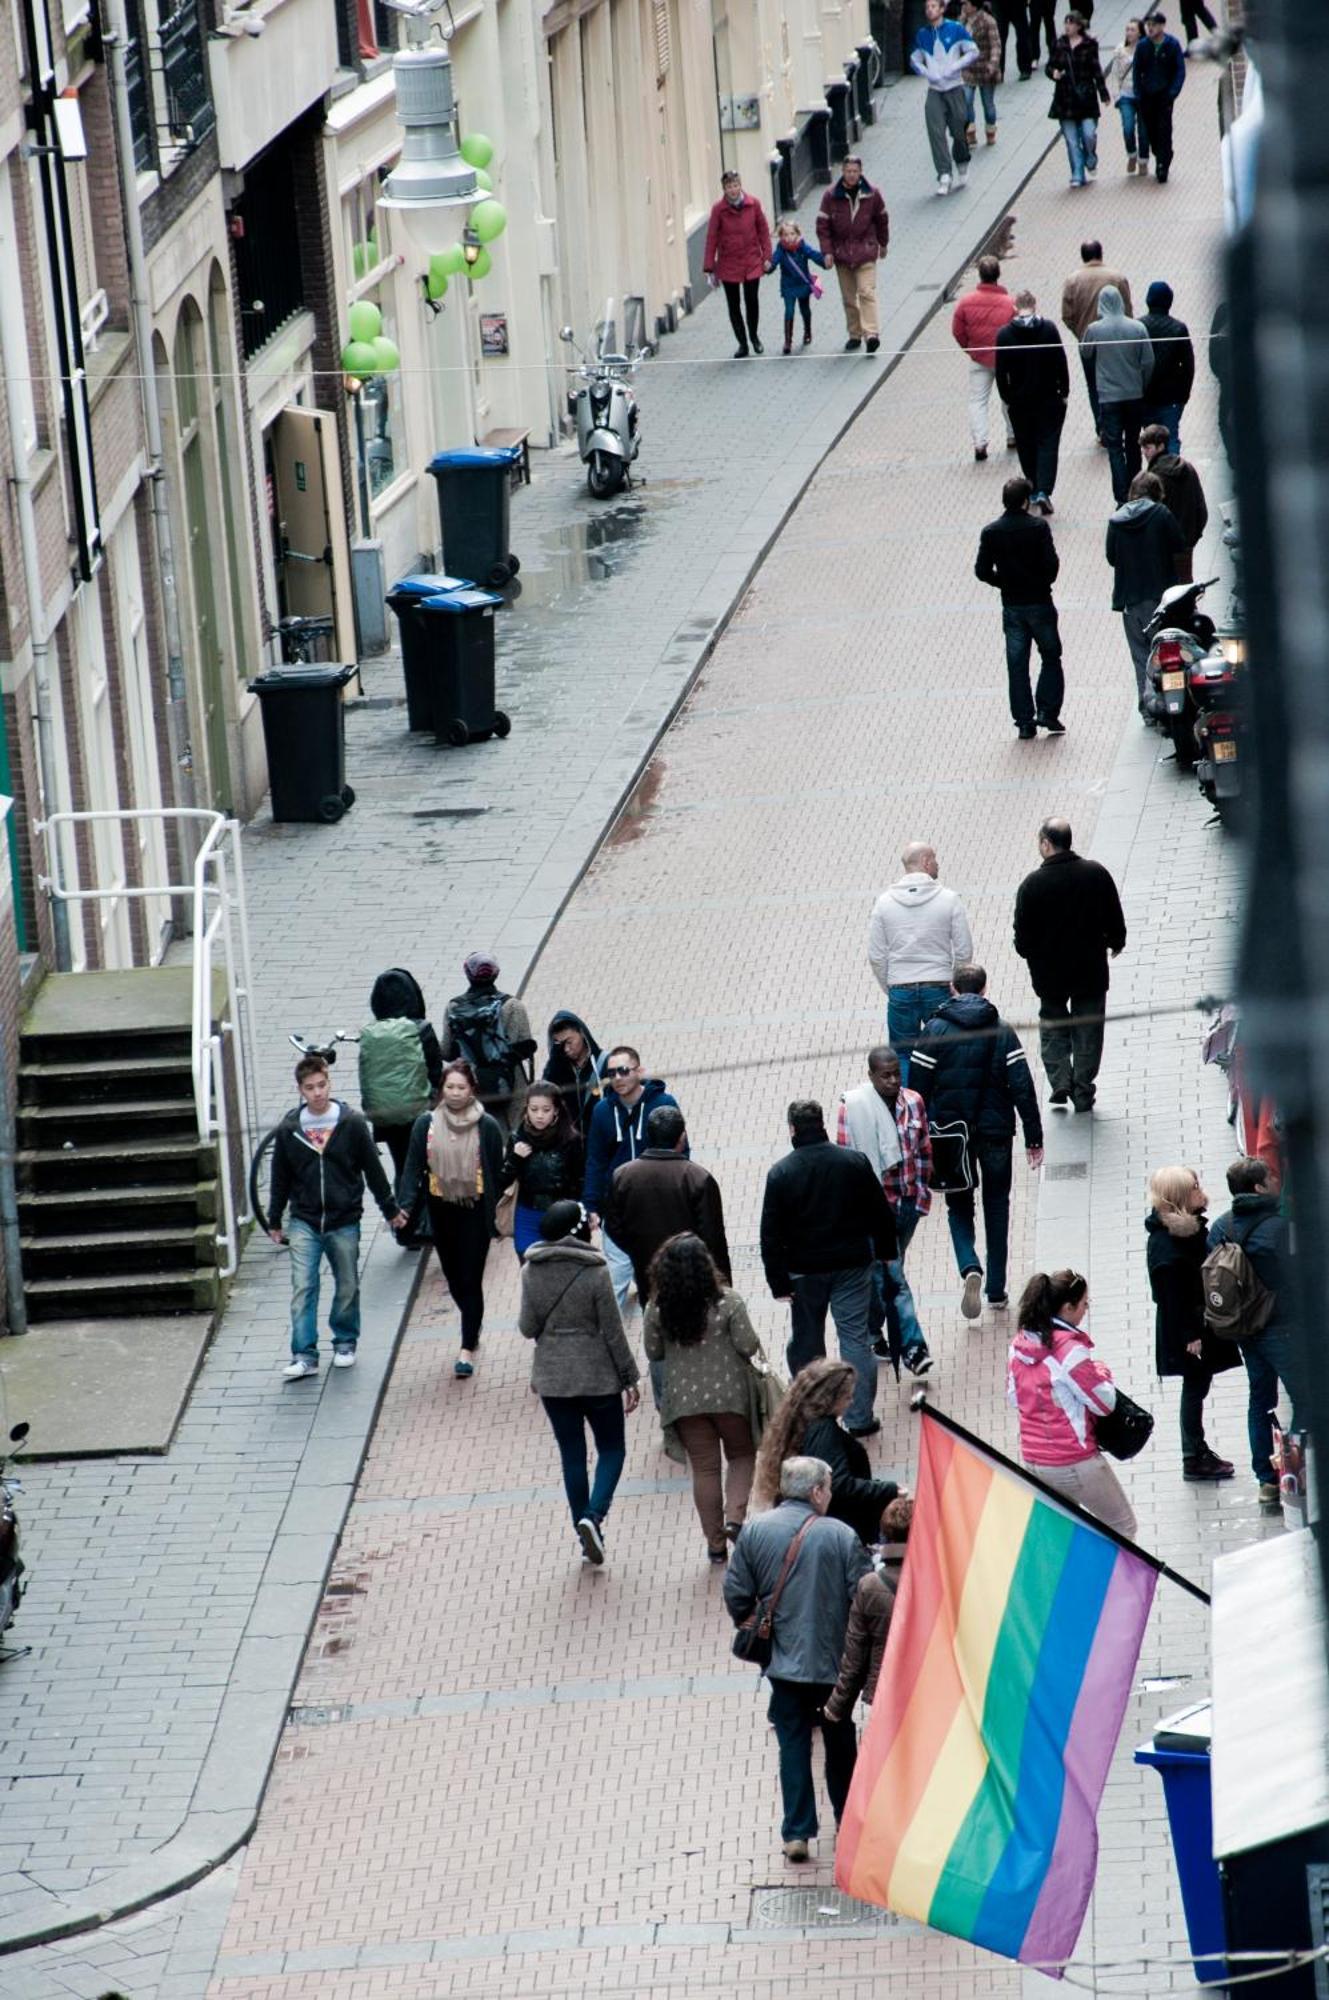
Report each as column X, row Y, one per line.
column 890, row 1124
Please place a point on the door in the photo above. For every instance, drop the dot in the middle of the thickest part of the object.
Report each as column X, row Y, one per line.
column 207, row 637
column 312, row 553
column 724, row 83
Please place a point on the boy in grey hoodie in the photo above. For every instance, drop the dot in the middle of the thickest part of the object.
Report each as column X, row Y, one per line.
column 1119, row 354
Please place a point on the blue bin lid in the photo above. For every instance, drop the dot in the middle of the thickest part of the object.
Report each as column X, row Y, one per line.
column 421, row 583
column 475, row 455
column 454, row 601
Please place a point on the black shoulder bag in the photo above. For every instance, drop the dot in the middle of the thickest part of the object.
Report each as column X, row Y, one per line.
column 753, row 1639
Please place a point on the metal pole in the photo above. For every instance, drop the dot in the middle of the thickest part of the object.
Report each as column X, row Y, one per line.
column 357, row 399
column 115, row 43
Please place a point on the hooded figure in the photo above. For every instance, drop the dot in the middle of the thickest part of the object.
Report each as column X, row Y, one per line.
column 492, row 1032
column 390, row 1083
column 919, row 933
column 1119, row 350
column 579, row 1078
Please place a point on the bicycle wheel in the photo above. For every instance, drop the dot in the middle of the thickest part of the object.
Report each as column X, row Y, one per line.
column 260, row 1178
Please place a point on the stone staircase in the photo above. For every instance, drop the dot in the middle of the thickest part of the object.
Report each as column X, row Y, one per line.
column 117, row 1197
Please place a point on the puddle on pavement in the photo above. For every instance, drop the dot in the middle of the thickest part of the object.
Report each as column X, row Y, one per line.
column 595, row 545
column 636, row 815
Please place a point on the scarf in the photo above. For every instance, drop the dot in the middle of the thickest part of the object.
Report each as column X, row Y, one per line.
column 1179, row 1221
column 455, row 1172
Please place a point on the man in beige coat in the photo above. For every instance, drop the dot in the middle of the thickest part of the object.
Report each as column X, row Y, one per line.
column 1079, row 307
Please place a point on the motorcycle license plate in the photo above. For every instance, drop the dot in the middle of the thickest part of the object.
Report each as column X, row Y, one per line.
column 1225, row 753
column 1176, row 680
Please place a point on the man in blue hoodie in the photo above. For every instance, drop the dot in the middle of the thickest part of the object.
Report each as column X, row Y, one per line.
column 970, row 1069
column 942, row 52
column 617, row 1134
column 1158, row 72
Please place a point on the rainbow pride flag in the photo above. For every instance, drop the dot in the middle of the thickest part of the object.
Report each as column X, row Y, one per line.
column 1010, row 1658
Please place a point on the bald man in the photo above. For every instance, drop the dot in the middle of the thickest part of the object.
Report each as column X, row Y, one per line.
column 1068, row 918
column 919, row 933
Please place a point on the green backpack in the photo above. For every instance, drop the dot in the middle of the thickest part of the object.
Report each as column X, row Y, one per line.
column 394, row 1082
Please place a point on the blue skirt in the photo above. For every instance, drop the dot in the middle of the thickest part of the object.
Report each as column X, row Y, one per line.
column 525, row 1228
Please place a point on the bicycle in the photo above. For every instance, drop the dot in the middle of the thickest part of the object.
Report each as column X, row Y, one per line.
column 260, row 1167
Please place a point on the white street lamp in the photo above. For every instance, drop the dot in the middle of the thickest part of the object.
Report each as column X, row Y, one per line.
column 431, row 175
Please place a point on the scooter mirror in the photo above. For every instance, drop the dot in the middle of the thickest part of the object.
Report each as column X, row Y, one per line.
column 566, row 333
column 19, row 1432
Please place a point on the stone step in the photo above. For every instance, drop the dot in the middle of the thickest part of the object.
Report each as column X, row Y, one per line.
column 116, row 1294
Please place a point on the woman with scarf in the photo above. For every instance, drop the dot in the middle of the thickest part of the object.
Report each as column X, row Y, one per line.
column 456, row 1155
column 1177, row 1229
column 545, row 1160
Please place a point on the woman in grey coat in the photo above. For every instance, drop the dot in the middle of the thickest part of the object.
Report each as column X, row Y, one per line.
column 584, row 1372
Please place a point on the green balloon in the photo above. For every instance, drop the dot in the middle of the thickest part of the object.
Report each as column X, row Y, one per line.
column 450, row 262
column 488, row 220
column 476, row 150
column 366, row 321
column 385, row 354
column 360, row 259
column 358, row 358
column 481, row 268
column 436, row 285
column 484, row 180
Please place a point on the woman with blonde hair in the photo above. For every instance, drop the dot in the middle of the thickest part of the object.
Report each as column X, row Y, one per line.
column 807, row 1425
column 1177, row 1227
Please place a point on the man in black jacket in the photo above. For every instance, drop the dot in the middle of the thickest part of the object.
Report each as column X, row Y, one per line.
column 1254, row 1221
column 324, row 1154
column 1143, row 543
column 972, row 1071
column 1173, row 378
column 1033, row 382
column 825, row 1221
column 1016, row 555
column 1158, row 73
column 1067, row 919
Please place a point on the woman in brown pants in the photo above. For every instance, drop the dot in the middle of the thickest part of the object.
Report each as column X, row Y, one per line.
column 700, row 1330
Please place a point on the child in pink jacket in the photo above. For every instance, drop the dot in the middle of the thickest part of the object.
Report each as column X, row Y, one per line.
column 1058, row 1390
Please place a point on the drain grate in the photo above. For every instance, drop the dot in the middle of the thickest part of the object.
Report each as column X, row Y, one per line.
column 779, row 1909
column 1067, row 1170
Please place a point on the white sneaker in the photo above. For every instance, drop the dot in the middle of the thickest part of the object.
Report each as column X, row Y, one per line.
column 297, row 1370
column 970, row 1298
column 943, row 183
column 962, row 174
column 592, row 1540
column 1091, row 173
column 343, row 1357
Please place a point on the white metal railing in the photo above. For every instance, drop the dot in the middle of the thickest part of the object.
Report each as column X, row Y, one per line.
column 219, row 933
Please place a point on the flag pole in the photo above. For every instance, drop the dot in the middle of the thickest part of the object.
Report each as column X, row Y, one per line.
column 919, row 1403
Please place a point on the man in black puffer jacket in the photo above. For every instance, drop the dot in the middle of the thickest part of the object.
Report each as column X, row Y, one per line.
column 825, row 1221
column 972, row 1070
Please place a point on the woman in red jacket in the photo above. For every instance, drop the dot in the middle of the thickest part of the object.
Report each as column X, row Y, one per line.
column 738, row 255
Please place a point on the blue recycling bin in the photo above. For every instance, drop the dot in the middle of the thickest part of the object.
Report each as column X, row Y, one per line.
column 474, row 507
column 1179, row 1753
column 458, row 631
column 402, row 599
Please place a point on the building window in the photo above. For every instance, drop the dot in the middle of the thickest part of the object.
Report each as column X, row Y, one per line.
column 365, row 239
column 382, row 430
column 266, row 234
column 189, row 112
column 93, row 305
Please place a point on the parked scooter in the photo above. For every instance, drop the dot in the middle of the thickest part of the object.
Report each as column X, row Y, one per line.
column 1217, row 688
column 11, row 1562
column 1180, row 635
column 608, row 426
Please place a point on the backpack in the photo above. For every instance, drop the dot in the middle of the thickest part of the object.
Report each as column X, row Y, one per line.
column 1238, row 1305
column 394, row 1080
column 475, row 1023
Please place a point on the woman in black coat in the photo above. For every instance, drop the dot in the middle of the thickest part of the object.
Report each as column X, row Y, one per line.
column 807, row 1425
column 1080, row 88
column 545, row 1159
column 1176, row 1226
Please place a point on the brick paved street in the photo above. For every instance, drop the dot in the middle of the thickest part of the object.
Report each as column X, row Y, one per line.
column 502, row 1773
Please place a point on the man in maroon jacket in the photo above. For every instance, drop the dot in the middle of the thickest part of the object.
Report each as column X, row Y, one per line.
column 737, row 256
column 853, row 230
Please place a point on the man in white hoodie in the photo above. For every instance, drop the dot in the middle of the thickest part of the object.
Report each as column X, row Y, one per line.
column 918, row 935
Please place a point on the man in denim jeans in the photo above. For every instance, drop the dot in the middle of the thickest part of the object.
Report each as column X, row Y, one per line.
column 825, row 1222
column 1016, row 555
column 890, row 1125
column 919, row 933
column 1254, row 1221
column 324, row 1154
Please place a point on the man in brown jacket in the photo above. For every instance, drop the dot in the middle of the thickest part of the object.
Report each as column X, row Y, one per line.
column 853, row 231
column 1183, row 494
column 662, row 1194
column 981, row 78
column 870, row 1615
column 1079, row 307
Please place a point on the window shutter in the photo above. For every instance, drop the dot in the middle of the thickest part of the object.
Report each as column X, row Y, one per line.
column 662, row 48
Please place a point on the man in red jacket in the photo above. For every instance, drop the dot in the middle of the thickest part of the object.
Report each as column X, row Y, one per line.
column 978, row 318
column 738, row 256
column 853, row 230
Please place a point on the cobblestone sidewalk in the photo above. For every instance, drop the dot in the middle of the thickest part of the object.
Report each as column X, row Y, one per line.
column 171, row 1597
column 503, row 1774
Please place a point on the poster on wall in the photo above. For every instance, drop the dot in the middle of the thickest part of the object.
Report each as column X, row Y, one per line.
column 494, row 333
